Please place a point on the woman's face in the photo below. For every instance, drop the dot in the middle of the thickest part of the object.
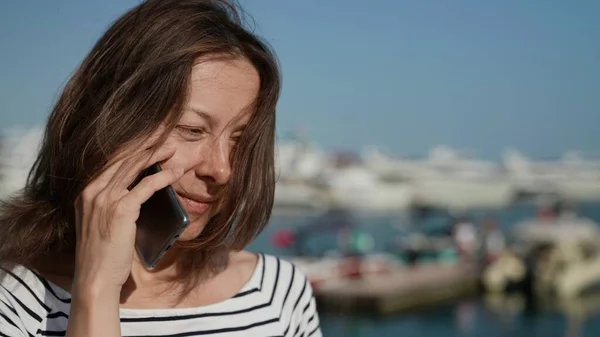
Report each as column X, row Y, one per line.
column 218, row 107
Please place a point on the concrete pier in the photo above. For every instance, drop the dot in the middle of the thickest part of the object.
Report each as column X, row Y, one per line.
column 397, row 290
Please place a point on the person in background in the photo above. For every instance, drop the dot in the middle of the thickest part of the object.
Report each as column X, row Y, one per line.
column 465, row 238
column 181, row 83
column 492, row 241
column 335, row 220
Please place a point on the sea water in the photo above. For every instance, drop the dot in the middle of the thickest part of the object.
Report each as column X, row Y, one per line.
column 489, row 317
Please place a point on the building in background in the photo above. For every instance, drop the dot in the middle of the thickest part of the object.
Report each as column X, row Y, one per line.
column 18, row 151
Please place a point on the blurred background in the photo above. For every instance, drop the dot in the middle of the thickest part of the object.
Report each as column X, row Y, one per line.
column 438, row 161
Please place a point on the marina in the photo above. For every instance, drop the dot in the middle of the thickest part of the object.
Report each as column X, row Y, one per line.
column 390, row 237
column 472, row 312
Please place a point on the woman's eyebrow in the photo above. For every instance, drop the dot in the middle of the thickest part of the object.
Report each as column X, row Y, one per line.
column 201, row 113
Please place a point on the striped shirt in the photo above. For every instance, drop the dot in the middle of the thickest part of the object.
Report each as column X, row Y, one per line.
column 276, row 301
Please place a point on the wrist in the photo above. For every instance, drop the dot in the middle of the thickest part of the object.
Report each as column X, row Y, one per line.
column 94, row 311
column 95, row 292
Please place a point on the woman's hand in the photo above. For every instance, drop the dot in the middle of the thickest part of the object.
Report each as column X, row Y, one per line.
column 106, row 215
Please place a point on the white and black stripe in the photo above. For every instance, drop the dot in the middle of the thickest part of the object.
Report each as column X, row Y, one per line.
column 277, row 301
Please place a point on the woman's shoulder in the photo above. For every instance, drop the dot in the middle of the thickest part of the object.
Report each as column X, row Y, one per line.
column 18, row 280
column 281, row 267
column 289, row 283
column 26, row 299
column 292, row 294
column 29, row 287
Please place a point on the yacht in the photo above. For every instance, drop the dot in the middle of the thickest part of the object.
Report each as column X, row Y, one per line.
column 445, row 179
column 572, row 177
column 19, row 148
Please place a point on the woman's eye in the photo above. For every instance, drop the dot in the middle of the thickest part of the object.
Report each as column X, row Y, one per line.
column 191, row 131
column 235, row 138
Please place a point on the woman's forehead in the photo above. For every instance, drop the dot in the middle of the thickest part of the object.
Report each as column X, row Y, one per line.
column 223, row 90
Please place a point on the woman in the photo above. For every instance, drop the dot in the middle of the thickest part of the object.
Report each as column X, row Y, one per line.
column 175, row 82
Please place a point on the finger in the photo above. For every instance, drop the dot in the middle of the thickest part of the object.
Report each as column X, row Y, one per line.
column 148, row 186
column 133, row 166
column 107, row 175
column 102, row 180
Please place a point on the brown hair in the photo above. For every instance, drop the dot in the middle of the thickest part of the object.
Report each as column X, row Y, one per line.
column 136, row 77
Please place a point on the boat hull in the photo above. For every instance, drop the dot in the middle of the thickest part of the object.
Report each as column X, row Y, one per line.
column 448, row 193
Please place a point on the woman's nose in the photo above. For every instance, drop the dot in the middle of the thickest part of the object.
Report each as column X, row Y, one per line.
column 215, row 165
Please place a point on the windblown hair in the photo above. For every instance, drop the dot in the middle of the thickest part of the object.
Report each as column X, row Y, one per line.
column 135, row 78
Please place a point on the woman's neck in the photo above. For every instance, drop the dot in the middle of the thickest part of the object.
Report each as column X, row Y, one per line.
column 165, row 288
column 179, row 269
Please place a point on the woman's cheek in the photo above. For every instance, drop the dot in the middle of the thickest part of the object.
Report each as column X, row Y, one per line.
column 187, row 155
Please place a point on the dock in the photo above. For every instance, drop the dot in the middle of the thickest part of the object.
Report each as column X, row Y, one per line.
column 398, row 290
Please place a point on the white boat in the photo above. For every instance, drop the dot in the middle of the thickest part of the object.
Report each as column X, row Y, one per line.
column 527, row 181
column 563, row 228
column 579, row 190
column 18, row 153
column 579, row 185
column 299, row 159
column 298, row 195
column 357, row 188
column 571, row 177
column 446, row 192
column 298, row 165
column 448, row 180
column 562, row 252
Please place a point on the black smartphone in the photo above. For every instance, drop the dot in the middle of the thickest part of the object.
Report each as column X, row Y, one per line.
column 162, row 219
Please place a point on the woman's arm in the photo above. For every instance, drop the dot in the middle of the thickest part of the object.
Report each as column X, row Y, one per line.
column 94, row 312
column 106, row 213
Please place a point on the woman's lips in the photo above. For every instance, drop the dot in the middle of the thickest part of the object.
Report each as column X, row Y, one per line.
column 193, row 206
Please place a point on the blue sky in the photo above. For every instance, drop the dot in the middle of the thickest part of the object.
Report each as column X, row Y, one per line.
column 403, row 75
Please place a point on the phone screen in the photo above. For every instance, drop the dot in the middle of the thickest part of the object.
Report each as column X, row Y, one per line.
column 162, row 219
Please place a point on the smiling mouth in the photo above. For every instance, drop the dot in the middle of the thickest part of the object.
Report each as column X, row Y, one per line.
column 193, row 206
